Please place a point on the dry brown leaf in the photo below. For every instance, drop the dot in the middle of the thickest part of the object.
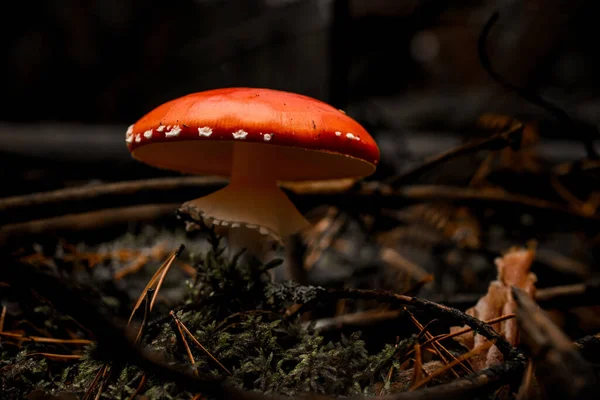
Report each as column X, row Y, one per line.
column 513, row 270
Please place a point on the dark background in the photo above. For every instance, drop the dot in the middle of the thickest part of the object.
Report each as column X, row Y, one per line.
column 76, row 73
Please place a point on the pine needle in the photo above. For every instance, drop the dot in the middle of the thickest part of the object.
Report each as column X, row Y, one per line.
column 417, row 366
column 101, row 372
column 438, row 347
column 41, row 339
column 2, row 317
column 185, row 343
column 197, row 343
column 457, row 360
column 467, row 329
column 139, row 387
column 157, row 279
column 57, row 357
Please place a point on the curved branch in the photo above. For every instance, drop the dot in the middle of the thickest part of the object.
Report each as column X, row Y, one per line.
column 561, row 115
column 511, row 137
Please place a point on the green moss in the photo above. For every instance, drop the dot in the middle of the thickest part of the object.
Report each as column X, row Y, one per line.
column 234, row 310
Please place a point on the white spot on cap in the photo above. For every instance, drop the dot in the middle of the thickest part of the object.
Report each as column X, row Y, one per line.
column 206, row 131
column 148, row 134
column 351, row 136
column 235, row 225
column 138, row 138
column 263, row 231
column 268, row 136
column 342, row 111
column 160, row 128
column 338, row 134
column 241, row 134
column 129, row 134
column 173, row 132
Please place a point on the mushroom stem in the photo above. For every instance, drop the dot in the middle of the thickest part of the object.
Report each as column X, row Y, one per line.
column 251, row 209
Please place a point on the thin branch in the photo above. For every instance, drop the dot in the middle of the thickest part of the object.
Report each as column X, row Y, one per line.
column 561, row 297
column 511, row 137
column 439, row 311
column 358, row 319
column 92, row 221
column 365, row 196
column 568, row 296
column 468, row 329
column 92, row 197
column 585, row 132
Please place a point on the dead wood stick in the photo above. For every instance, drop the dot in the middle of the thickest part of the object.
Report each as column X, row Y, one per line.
column 560, row 368
column 364, row 195
column 358, row 319
column 93, row 197
column 435, row 310
column 90, row 221
column 568, row 296
column 561, row 297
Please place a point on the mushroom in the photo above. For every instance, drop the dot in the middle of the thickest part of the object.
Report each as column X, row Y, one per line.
column 258, row 138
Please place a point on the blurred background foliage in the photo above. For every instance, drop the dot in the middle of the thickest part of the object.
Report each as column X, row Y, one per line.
column 76, row 73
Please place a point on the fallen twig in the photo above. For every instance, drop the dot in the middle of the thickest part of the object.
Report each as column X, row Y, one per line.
column 561, row 297
column 368, row 196
column 103, row 196
column 510, row 137
column 567, row 296
column 362, row 319
column 89, row 221
column 437, row 311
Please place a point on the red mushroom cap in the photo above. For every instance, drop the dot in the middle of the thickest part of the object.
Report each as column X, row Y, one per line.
column 196, row 133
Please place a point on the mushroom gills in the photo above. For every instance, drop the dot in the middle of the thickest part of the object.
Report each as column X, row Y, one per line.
column 252, row 205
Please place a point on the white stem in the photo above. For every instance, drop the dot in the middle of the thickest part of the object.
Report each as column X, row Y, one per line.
column 252, row 208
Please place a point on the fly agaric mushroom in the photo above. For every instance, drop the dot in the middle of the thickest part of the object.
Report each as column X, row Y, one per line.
column 257, row 138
